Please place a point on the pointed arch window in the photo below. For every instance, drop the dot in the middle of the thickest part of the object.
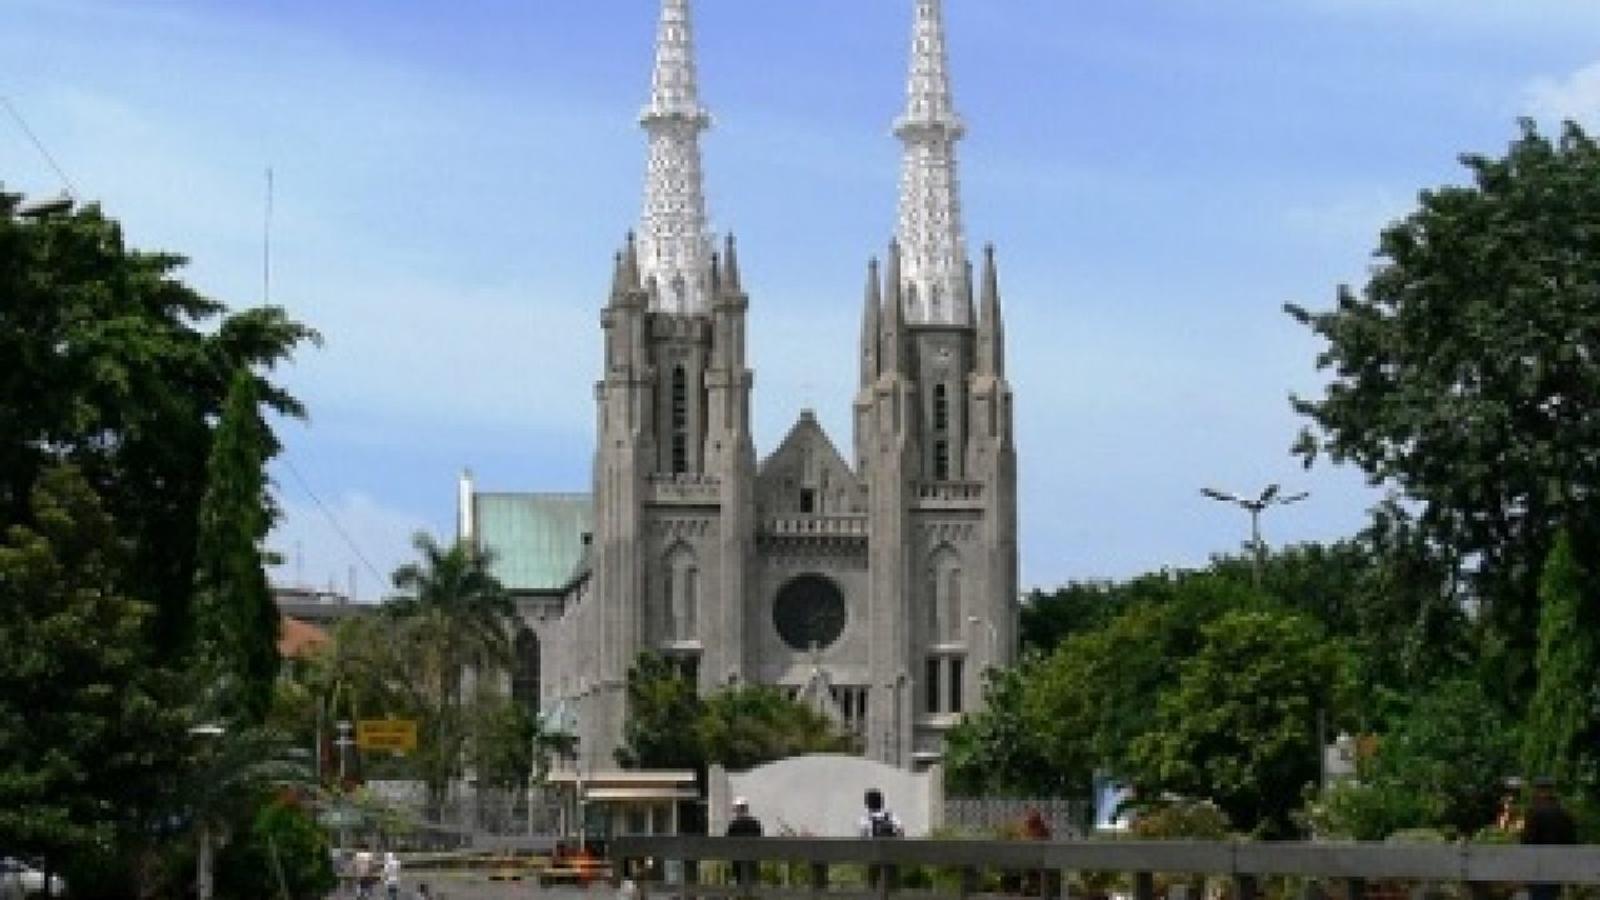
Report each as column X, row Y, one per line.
column 941, row 407
column 525, row 669
column 680, row 421
column 678, row 612
column 688, row 599
column 952, row 600
column 941, row 460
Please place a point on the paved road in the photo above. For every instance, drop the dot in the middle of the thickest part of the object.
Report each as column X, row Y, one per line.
column 462, row 886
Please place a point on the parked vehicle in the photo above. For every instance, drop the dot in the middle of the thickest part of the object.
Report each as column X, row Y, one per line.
column 18, row 880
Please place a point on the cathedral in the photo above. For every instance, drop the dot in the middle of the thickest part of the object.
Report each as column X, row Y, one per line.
column 876, row 586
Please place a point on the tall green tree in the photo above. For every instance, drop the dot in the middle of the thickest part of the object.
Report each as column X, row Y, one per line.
column 1239, row 728
column 88, row 726
column 455, row 616
column 236, row 620
column 115, row 365
column 1466, row 374
column 1561, row 729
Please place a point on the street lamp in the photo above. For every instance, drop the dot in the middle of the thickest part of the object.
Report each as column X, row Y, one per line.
column 202, row 863
column 1271, row 496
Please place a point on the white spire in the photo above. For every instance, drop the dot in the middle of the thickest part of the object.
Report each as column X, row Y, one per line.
column 933, row 245
column 674, row 240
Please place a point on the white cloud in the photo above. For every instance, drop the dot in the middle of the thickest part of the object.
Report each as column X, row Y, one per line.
column 1576, row 97
column 316, row 544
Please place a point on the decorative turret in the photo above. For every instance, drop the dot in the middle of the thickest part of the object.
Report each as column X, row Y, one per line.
column 930, row 206
column 871, row 315
column 730, row 268
column 893, row 347
column 991, row 328
column 674, row 237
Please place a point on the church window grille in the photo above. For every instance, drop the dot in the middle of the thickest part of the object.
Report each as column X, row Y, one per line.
column 808, row 500
column 941, row 408
column 809, row 612
column 931, row 684
column 680, row 421
column 955, row 683
column 941, row 461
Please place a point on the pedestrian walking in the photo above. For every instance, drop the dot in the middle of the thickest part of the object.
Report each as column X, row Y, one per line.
column 744, row 825
column 878, row 822
column 1547, row 822
column 361, row 867
column 391, row 875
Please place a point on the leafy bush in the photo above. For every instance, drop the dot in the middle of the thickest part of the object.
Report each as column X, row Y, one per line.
column 1181, row 819
column 283, row 837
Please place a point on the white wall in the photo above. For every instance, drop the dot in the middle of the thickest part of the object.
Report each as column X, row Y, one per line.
column 820, row 795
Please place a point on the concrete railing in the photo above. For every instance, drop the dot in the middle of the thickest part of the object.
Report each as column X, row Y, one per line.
column 816, row 526
column 1477, row 866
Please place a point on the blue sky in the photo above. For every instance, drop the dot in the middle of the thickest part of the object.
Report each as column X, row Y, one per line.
column 1159, row 176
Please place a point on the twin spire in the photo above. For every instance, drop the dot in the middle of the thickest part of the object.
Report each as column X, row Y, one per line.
column 933, row 246
column 675, row 244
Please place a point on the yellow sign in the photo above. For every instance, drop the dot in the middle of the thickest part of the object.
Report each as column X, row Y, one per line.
column 399, row 735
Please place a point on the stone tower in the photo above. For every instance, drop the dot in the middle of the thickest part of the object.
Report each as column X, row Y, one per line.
column 934, row 433
column 674, row 462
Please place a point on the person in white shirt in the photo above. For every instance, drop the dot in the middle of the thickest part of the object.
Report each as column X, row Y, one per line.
column 879, row 822
column 391, row 875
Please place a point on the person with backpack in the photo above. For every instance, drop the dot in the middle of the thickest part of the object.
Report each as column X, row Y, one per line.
column 879, row 822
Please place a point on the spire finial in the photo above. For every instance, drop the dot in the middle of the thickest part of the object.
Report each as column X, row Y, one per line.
column 930, row 205
column 675, row 241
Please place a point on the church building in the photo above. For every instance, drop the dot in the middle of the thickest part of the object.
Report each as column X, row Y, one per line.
column 878, row 585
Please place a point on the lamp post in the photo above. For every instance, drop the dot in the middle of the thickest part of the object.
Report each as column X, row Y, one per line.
column 343, row 742
column 202, row 862
column 1271, row 496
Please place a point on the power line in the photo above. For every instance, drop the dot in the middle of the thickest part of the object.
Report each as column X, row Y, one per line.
column 332, row 520
column 38, row 145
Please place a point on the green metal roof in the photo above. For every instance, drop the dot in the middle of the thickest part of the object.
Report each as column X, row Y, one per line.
column 537, row 539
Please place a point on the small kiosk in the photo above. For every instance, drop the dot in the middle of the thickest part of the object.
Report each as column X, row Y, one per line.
column 596, row 806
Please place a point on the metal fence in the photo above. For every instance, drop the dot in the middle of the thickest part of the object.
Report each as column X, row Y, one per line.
column 995, row 816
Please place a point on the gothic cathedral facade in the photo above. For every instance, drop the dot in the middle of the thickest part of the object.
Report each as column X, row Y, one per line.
column 877, row 586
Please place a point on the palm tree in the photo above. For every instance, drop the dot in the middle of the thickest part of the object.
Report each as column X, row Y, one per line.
column 229, row 770
column 455, row 615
